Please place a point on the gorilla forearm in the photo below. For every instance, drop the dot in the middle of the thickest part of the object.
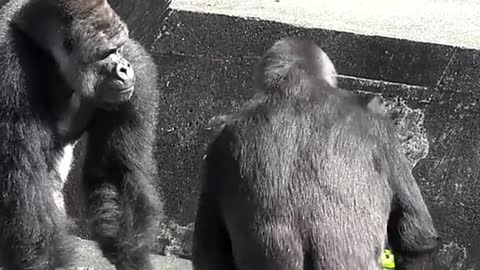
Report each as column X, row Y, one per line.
column 124, row 204
column 417, row 262
column 411, row 231
column 413, row 238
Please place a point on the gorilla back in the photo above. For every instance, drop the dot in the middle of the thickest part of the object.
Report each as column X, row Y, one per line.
column 68, row 67
column 306, row 178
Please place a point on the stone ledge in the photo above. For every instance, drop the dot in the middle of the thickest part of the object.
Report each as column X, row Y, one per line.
column 90, row 258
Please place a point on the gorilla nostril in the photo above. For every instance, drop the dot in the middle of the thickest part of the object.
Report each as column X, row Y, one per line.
column 123, row 72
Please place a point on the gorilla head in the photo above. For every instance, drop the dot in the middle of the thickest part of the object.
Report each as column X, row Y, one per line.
column 292, row 67
column 291, row 63
column 85, row 39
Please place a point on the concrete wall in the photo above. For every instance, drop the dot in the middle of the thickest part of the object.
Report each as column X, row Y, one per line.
column 206, row 64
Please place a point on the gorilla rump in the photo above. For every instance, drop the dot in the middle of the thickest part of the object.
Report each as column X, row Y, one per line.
column 308, row 176
column 68, row 67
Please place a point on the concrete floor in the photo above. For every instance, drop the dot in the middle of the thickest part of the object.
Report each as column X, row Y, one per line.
column 90, row 257
column 449, row 22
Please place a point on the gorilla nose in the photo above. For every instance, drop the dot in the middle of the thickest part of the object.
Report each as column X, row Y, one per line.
column 125, row 74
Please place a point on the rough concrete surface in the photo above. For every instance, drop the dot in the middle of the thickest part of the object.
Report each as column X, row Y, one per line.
column 207, row 62
column 437, row 21
column 90, row 258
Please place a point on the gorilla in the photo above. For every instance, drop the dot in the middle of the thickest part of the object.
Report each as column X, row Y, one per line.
column 308, row 176
column 68, row 67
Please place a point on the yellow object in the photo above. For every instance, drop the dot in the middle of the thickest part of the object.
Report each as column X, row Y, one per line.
column 387, row 259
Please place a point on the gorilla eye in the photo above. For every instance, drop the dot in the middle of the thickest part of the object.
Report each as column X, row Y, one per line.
column 107, row 53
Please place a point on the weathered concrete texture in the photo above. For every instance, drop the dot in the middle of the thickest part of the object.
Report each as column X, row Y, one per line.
column 206, row 65
column 436, row 21
column 90, row 258
column 222, row 37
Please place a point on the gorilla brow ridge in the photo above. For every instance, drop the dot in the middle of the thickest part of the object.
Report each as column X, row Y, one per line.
column 81, row 8
column 96, row 24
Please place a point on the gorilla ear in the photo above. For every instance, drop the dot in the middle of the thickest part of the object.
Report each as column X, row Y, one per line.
column 328, row 73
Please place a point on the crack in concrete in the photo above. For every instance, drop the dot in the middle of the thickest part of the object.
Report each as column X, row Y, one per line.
column 446, row 68
column 388, row 83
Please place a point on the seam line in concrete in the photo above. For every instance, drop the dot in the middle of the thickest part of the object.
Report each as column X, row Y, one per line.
column 417, row 87
column 446, row 68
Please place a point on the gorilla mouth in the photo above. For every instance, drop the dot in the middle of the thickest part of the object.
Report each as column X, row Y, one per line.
column 117, row 95
column 120, row 86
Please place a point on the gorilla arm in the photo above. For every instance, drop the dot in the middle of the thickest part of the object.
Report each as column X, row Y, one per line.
column 30, row 215
column 119, row 170
column 211, row 248
column 411, row 231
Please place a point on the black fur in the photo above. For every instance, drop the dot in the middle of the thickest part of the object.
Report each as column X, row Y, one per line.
column 119, row 169
column 305, row 177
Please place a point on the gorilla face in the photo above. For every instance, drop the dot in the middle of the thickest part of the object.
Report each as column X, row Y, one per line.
column 94, row 66
column 118, row 80
column 107, row 77
column 86, row 40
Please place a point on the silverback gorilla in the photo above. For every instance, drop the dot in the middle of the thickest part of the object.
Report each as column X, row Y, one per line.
column 306, row 177
column 68, row 67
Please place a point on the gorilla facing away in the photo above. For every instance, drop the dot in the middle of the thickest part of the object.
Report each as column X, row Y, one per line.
column 326, row 76
column 308, row 176
column 68, row 67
